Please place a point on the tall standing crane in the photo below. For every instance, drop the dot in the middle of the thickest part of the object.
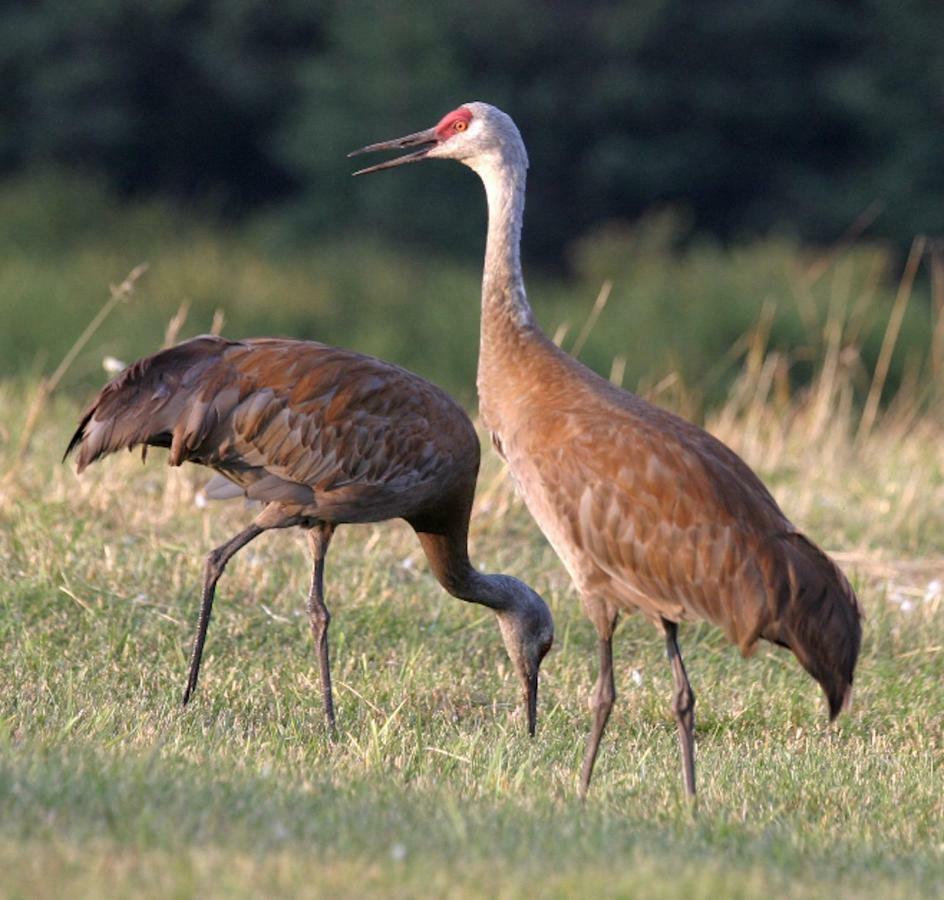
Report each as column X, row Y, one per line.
column 647, row 511
column 322, row 437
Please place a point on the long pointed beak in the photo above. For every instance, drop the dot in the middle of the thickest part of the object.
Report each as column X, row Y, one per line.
column 425, row 140
column 531, row 696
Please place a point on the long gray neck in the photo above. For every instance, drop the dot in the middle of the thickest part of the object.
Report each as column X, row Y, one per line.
column 504, row 302
column 507, row 320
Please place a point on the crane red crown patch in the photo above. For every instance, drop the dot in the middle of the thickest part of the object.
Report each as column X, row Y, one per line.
column 449, row 124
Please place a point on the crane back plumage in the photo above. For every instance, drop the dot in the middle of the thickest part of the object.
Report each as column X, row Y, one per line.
column 325, row 433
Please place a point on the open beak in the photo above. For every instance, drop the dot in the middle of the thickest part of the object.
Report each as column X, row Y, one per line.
column 424, row 140
column 531, row 696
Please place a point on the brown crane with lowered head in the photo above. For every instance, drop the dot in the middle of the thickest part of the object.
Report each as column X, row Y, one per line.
column 646, row 511
column 322, row 437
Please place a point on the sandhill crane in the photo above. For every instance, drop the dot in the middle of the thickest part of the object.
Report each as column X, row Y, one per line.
column 322, row 437
column 646, row 511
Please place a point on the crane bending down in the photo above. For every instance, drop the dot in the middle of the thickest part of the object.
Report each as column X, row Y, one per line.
column 322, row 437
column 647, row 511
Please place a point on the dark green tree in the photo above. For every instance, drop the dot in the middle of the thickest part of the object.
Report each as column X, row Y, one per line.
column 751, row 114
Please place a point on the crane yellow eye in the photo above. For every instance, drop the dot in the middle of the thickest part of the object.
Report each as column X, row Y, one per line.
column 460, row 125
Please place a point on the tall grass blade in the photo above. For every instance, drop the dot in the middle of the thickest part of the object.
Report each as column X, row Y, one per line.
column 870, row 411
column 47, row 386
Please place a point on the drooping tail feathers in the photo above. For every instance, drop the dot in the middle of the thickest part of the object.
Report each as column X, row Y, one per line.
column 154, row 402
column 819, row 618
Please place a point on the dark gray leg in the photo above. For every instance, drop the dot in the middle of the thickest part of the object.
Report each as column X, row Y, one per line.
column 683, row 705
column 215, row 564
column 318, row 539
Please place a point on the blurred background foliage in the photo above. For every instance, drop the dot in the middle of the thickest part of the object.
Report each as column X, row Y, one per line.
column 695, row 153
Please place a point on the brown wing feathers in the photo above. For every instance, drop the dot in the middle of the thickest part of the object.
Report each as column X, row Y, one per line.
column 144, row 404
column 286, row 421
column 202, row 401
column 661, row 516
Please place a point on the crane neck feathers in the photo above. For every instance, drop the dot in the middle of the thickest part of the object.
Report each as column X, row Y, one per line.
column 504, row 301
column 501, row 593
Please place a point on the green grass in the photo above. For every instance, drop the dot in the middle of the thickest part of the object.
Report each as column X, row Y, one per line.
column 432, row 787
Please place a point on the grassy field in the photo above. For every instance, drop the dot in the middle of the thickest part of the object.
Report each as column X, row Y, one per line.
column 432, row 787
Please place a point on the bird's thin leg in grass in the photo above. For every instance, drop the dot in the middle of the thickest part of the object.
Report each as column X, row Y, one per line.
column 604, row 695
column 319, row 538
column 215, row 564
column 683, row 705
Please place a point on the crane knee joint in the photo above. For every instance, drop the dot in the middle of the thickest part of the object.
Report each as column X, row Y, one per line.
column 319, row 616
column 683, row 703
